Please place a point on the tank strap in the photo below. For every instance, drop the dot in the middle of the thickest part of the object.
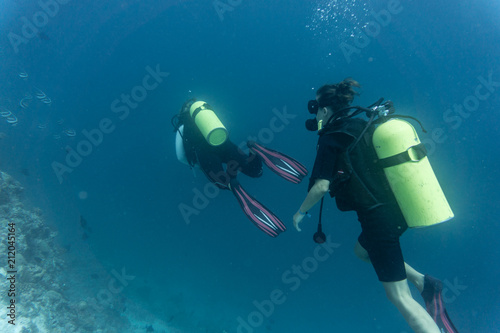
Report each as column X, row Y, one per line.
column 368, row 124
column 198, row 109
column 418, row 152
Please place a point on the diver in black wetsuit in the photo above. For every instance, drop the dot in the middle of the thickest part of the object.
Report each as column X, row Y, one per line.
column 212, row 157
column 345, row 168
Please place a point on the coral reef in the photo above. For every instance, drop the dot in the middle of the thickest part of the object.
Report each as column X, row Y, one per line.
column 59, row 290
column 42, row 280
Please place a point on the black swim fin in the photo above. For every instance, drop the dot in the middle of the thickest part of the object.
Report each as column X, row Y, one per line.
column 432, row 295
column 281, row 164
column 262, row 217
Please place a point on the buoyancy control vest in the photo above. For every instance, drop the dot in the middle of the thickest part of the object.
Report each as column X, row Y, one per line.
column 359, row 182
column 384, row 161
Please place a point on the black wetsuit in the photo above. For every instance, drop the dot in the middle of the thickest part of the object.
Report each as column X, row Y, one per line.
column 382, row 224
column 211, row 158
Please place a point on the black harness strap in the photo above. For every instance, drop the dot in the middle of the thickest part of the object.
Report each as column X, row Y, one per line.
column 418, row 153
column 200, row 108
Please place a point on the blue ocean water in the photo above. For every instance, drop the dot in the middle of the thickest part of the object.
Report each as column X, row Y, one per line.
column 257, row 63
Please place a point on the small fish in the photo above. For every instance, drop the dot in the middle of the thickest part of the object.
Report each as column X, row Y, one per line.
column 70, row 132
column 42, row 126
column 56, row 136
column 23, row 75
column 12, row 119
column 39, row 93
column 46, row 100
column 6, row 113
column 24, row 102
column 60, row 121
column 85, row 226
column 83, row 222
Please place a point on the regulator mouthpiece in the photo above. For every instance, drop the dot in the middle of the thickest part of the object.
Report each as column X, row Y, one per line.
column 311, row 125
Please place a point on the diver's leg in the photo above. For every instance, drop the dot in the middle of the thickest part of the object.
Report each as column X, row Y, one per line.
column 399, row 295
column 361, row 253
column 252, row 166
column 379, row 244
column 237, row 160
column 415, row 315
column 211, row 165
column 415, row 277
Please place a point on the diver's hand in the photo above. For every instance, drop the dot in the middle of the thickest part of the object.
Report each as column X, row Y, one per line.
column 297, row 219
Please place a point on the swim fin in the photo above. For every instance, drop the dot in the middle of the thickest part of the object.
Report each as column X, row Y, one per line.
column 262, row 217
column 281, row 164
column 435, row 306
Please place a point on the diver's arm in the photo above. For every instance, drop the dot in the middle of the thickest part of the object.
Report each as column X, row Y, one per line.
column 319, row 189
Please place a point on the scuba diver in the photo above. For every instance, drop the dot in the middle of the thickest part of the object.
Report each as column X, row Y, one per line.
column 379, row 169
column 202, row 140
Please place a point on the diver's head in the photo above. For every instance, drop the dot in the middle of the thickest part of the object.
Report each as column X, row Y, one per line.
column 323, row 115
column 331, row 103
column 187, row 105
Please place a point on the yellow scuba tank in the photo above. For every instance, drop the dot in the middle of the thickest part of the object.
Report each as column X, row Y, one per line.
column 410, row 174
column 208, row 123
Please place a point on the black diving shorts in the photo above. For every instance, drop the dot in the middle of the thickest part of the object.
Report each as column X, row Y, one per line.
column 381, row 228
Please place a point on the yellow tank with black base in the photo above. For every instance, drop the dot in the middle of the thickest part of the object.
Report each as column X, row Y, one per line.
column 208, row 123
column 410, row 174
